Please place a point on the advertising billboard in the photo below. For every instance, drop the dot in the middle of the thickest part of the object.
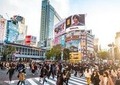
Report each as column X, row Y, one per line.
column 62, row 40
column 75, row 20
column 56, row 40
column 68, row 22
column 30, row 40
column 2, row 29
column 59, row 28
column 59, row 40
column 73, row 45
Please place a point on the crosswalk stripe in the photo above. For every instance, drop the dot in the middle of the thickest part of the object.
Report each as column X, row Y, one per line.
column 69, row 82
column 56, row 80
column 52, row 81
column 73, row 81
column 76, row 83
column 32, row 82
column 35, row 81
column 77, row 80
column 37, row 78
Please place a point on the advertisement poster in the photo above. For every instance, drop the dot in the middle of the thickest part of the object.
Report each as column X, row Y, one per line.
column 73, row 45
column 59, row 28
column 75, row 20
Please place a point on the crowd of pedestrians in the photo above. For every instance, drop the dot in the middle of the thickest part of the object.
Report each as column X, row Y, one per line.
column 95, row 74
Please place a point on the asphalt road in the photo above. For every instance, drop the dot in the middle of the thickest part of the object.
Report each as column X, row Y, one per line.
column 4, row 76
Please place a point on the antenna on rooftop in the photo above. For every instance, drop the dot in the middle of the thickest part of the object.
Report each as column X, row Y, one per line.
column 7, row 16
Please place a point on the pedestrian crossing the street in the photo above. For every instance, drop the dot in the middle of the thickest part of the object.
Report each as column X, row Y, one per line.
column 36, row 81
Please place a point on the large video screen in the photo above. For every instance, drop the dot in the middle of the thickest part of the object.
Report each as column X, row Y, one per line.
column 73, row 45
column 62, row 40
column 75, row 20
column 59, row 28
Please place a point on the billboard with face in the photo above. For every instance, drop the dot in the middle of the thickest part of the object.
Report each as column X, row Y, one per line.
column 75, row 20
column 59, row 28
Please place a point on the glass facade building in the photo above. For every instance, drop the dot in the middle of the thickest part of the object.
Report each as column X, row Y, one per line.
column 49, row 18
column 12, row 32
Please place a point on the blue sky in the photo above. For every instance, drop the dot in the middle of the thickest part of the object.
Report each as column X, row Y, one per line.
column 102, row 16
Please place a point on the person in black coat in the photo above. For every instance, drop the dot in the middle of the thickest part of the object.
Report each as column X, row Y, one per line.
column 43, row 73
column 10, row 72
column 59, row 78
column 95, row 78
column 52, row 70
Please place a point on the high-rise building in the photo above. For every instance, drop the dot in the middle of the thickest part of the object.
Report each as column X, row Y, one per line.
column 49, row 17
column 22, row 29
column 96, row 44
column 90, row 43
column 12, row 32
column 2, row 28
column 117, row 39
column 16, row 30
column 117, row 45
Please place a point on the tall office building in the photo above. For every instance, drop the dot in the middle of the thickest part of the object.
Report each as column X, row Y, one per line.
column 49, row 18
column 22, row 28
column 117, row 45
column 96, row 45
column 12, row 32
column 2, row 28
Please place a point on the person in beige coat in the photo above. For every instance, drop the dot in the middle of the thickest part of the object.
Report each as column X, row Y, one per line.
column 21, row 77
column 106, row 79
column 88, row 74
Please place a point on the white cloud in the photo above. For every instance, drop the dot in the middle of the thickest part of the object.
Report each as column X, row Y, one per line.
column 62, row 7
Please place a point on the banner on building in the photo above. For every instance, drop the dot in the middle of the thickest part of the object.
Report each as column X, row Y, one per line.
column 75, row 20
